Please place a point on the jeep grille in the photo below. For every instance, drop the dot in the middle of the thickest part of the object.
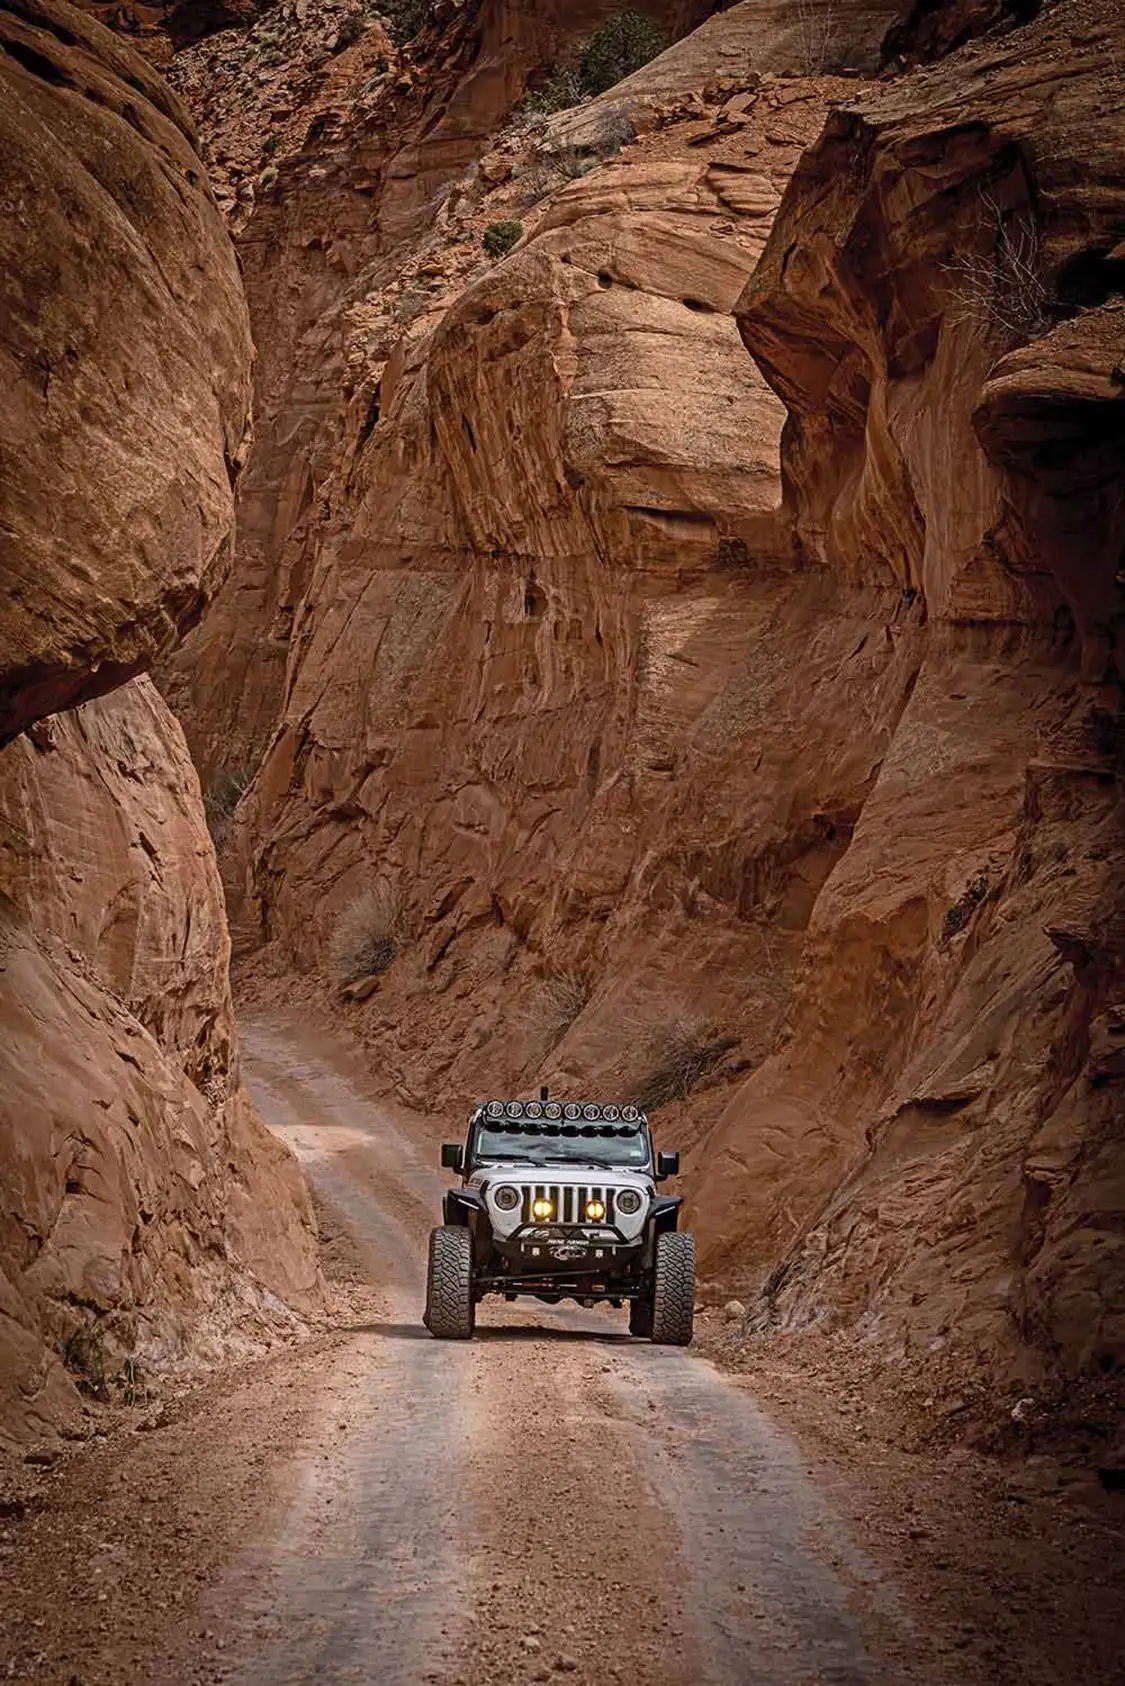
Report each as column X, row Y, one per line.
column 568, row 1200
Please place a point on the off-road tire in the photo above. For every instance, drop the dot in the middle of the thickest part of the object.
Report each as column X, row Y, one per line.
column 450, row 1313
column 640, row 1318
column 673, row 1299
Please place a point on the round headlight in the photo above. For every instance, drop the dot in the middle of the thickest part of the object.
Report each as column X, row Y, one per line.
column 595, row 1210
column 532, row 1109
column 542, row 1209
column 592, row 1113
column 506, row 1197
column 572, row 1109
column 553, row 1109
column 611, row 1114
column 496, row 1109
column 514, row 1109
column 628, row 1202
column 630, row 1114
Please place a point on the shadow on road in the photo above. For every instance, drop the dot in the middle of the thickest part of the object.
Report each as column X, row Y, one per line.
column 500, row 1332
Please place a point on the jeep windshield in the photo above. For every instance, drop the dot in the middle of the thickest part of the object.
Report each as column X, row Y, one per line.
column 562, row 1144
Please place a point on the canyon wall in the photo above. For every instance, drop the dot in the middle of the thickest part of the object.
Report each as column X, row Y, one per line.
column 937, row 1143
column 741, row 733
column 370, row 165
column 147, row 1214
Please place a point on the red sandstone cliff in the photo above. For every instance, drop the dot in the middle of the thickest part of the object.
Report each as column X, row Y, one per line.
column 146, row 1212
column 659, row 766
column 659, row 771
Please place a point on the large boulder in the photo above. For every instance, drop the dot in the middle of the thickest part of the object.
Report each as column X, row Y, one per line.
column 125, row 359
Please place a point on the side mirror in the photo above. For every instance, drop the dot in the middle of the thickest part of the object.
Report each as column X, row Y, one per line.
column 452, row 1156
column 667, row 1165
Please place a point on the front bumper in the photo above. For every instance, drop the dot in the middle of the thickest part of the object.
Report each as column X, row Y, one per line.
column 570, row 1249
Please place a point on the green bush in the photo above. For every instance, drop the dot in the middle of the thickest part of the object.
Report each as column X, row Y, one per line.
column 560, row 91
column 499, row 238
column 406, row 18
column 626, row 41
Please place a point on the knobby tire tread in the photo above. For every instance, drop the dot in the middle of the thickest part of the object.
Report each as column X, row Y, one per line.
column 449, row 1285
column 673, row 1300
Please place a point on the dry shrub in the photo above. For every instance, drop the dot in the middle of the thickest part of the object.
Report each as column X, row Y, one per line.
column 677, row 1054
column 221, row 799
column 555, row 1005
column 368, row 933
column 1001, row 290
column 818, row 35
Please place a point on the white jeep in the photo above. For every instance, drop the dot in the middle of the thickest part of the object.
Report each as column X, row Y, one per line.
column 558, row 1200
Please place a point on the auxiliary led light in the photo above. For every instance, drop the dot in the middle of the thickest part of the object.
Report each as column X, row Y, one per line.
column 542, row 1209
column 595, row 1210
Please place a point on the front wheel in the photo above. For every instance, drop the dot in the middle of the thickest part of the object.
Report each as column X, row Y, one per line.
column 450, row 1314
column 673, row 1298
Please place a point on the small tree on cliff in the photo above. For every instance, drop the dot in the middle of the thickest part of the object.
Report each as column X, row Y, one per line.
column 625, row 42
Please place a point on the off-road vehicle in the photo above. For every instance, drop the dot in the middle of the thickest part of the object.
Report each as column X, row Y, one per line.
column 558, row 1200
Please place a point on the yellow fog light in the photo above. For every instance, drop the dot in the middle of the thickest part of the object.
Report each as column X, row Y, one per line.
column 595, row 1210
column 542, row 1209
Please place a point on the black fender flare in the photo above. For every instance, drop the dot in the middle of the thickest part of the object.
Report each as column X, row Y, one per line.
column 459, row 1204
column 664, row 1214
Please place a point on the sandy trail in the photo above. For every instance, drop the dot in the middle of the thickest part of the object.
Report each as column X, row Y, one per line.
column 552, row 1501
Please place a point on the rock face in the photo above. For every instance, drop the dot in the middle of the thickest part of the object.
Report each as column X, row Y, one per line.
column 126, row 355
column 147, row 1216
column 539, row 717
column 148, row 1213
column 601, row 753
column 929, row 29
column 370, row 157
column 946, row 1105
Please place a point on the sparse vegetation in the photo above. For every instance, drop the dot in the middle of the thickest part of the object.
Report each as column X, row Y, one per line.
column 555, row 1005
column 84, row 1357
column 549, row 171
column 678, row 1053
column 220, row 800
column 406, row 18
column 625, row 42
column 499, row 238
column 83, row 1353
column 559, row 92
column 368, row 934
column 1001, row 290
column 818, row 35
column 962, row 910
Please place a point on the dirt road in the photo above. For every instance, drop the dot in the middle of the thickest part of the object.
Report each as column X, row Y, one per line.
column 554, row 1500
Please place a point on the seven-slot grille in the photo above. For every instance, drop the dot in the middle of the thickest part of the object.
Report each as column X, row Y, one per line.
column 568, row 1202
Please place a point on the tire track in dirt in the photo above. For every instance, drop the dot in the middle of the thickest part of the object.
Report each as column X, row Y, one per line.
column 553, row 1501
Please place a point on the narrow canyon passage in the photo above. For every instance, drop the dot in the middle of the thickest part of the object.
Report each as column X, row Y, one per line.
column 555, row 1498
